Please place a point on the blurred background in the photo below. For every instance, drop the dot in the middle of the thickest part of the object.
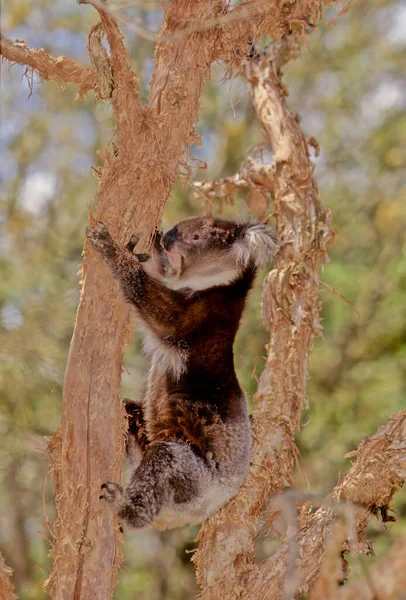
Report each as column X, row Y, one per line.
column 348, row 90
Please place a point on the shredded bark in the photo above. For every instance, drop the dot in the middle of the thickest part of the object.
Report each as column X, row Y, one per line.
column 367, row 489
column 134, row 184
column 101, row 63
column 225, row 559
column 61, row 70
column 6, row 587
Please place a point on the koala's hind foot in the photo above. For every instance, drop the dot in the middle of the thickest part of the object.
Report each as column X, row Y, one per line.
column 168, row 475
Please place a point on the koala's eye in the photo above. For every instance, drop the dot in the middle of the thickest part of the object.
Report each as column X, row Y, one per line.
column 196, row 237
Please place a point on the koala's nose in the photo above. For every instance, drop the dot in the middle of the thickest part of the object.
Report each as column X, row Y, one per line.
column 170, row 238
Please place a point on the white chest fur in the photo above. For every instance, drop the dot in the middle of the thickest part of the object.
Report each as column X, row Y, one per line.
column 164, row 358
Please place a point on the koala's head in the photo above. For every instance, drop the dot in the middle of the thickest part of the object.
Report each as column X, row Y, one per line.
column 202, row 252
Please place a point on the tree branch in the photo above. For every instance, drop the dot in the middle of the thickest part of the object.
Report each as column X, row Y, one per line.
column 62, row 70
column 252, row 19
column 134, row 185
column 221, row 189
column 369, row 486
column 250, row 175
column 225, row 559
column 6, row 587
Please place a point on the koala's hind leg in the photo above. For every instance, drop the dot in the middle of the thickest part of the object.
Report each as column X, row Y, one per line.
column 169, row 474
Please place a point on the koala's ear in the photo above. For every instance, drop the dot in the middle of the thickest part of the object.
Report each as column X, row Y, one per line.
column 258, row 244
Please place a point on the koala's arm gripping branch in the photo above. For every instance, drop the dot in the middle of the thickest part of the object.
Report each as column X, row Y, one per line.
column 162, row 308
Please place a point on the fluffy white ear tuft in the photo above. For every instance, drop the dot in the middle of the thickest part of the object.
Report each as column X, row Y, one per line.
column 258, row 245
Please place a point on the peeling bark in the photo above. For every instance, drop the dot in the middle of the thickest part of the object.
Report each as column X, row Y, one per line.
column 369, row 486
column 6, row 587
column 62, row 70
column 133, row 188
column 225, row 560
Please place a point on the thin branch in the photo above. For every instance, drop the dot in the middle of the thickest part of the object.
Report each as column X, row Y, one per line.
column 378, row 472
column 62, row 70
column 251, row 175
column 221, row 188
column 369, row 486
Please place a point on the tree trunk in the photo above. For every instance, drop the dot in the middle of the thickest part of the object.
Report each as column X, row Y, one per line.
column 132, row 191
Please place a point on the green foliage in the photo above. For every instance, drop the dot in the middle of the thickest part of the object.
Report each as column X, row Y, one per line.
column 347, row 91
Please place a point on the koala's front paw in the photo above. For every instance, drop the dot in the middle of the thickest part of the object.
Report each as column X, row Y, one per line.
column 112, row 493
column 100, row 239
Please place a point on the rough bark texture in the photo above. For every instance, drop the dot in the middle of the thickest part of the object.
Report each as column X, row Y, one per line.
column 255, row 18
column 6, row 587
column 369, row 486
column 133, row 189
column 225, row 559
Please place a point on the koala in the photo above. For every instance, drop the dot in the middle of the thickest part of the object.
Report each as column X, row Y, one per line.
column 189, row 439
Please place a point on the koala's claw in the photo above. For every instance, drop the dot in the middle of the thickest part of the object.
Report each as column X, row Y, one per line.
column 143, row 257
column 134, row 239
column 112, row 492
column 100, row 238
